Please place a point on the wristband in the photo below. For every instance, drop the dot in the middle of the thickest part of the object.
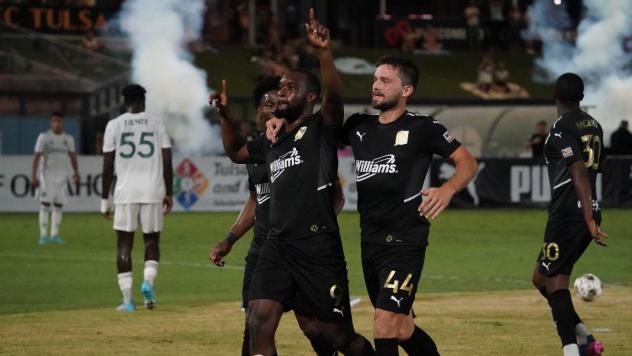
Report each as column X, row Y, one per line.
column 231, row 238
column 105, row 206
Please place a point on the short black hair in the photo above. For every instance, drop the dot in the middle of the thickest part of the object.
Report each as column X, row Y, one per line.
column 264, row 86
column 56, row 113
column 569, row 88
column 312, row 83
column 408, row 71
column 133, row 94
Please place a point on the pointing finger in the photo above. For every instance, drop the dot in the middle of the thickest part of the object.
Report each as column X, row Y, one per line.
column 311, row 15
column 224, row 90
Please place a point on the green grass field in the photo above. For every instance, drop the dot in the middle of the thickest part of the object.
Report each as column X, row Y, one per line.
column 475, row 296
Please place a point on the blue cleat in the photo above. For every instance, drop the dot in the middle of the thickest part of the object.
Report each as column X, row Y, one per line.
column 127, row 307
column 150, row 297
column 43, row 240
column 56, row 240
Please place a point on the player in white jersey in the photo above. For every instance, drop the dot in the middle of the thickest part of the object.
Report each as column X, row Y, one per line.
column 138, row 145
column 55, row 147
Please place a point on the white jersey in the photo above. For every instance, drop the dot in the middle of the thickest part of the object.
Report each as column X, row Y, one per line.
column 55, row 150
column 138, row 140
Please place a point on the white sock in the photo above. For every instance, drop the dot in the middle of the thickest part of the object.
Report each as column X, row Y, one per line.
column 55, row 218
column 125, row 283
column 582, row 333
column 571, row 350
column 43, row 220
column 151, row 270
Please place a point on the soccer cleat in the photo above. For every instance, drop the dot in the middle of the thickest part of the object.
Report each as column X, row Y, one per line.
column 148, row 292
column 127, row 307
column 56, row 240
column 592, row 348
column 43, row 240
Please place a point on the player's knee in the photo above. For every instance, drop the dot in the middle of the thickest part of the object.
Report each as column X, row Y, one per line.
column 257, row 320
column 406, row 328
column 340, row 338
column 124, row 254
column 311, row 329
column 537, row 279
column 387, row 323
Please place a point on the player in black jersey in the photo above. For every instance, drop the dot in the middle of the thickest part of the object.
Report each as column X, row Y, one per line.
column 573, row 152
column 393, row 151
column 255, row 213
column 302, row 262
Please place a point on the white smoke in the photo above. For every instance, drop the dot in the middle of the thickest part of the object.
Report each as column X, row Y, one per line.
column 159, row 32
column 598, row 54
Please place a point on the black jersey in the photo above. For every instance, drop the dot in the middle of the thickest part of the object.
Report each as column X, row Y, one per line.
column 259, row 184
column 302, row 167
column 575, row 136
column 391, row 164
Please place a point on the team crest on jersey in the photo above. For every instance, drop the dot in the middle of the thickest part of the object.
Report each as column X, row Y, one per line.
column 286, row 160
column 567, row 152
column 367, row 169
column 401, row 138
column 447, row 137
column 300, row 133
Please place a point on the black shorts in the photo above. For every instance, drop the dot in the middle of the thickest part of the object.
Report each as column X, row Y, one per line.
column 391, row 274
column 309, row 275
column 251, row 261
column 564, row 243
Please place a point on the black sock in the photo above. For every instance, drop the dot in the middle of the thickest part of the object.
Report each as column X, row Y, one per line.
column 543, row 292
column 245, row 346
column 321, row 346
column 564, row 315
column 386, row 347
column 419, row 344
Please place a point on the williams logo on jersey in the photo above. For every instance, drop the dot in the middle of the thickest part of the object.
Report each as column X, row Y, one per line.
column 263, row 192
column 367, row 169
column 286, row 160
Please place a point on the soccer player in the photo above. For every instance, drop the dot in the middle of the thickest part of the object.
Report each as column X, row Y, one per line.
column 301, row 263
column 574, row 154
column 255, row 213
column 138, row 145
column 54, row 146
column 393, row 151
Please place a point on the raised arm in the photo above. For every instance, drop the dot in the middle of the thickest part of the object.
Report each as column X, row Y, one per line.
column 332, row 107
column 234, row 148
column 245, row 221
column 581, row 183
column 437, row 199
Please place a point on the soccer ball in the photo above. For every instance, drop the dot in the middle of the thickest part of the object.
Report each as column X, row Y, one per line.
column 587, row 287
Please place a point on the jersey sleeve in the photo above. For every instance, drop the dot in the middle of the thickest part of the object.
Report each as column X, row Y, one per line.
column 347, row 128
column 566, row 144
column 437, row 138
column 256, row 149
column 251, row 185
column 109, row 138
column 166, row 142
column 39, row 143
column 71, row 144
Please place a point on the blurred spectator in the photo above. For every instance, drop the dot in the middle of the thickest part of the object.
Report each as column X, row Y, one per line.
column 91, row 42
column 472, row 19
column 244, row 22
column 501, row 78
column 516, row 25
column 486, row 73
column 536, row 142
column 247, row 130
column 621, row 140
column 497, row 23
column 431, row 39
column 409, row 38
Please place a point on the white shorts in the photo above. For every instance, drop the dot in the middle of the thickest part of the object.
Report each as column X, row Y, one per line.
column 53, row 190
column 127, row 217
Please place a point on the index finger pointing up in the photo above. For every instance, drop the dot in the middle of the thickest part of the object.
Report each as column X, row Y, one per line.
column 311, row 15
column 224, row 86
